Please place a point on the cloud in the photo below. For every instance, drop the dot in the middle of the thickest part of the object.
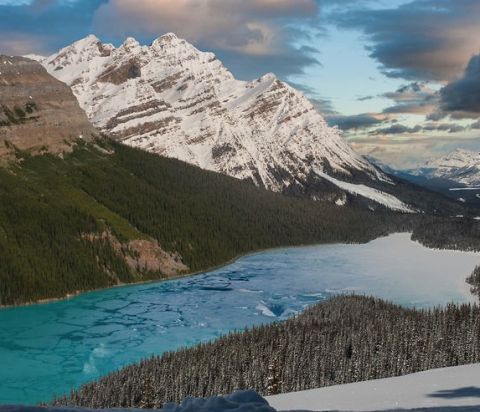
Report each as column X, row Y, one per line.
column 355, row 122
column 262, row 31
column 444, row 127
column 400, row 129
column 420, row 40
column 365, row 98
column 40, row 26
column 461, row 98
column 413, row 98
column 14, row 44
column 251, row 37
column 397, row 129
column 476, row 125
column 283, row 63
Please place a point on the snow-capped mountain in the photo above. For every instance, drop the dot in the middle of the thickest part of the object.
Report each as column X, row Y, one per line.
column 455, row 175
column 174, row 100
column 461, row 166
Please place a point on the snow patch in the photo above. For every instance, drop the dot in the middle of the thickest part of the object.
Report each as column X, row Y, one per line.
column 378, row 196
column 439, row 388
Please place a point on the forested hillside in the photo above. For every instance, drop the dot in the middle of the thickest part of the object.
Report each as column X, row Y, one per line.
column 342, row 340
column 107, row 214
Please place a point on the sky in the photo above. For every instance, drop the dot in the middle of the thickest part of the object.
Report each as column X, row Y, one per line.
column 400, row 78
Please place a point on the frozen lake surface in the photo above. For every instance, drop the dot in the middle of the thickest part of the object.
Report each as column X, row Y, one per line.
column 47, row 349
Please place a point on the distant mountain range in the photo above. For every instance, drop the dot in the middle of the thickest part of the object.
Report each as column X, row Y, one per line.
column 461, row 166
column 456, row 175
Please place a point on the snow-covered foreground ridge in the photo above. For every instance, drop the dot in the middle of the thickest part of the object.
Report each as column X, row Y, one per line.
column 439, row 388
column 172, row 99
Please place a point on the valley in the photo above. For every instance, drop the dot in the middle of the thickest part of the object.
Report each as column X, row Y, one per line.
column 61, row 345
column 170, row 229
column 107, row 214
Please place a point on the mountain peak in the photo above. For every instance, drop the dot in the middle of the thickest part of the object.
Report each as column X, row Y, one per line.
column 175, row 100
column 87, row 41
column 167, row 39
column 459, row 157
column 268, row 77
column 460, row 166
column 130, row 43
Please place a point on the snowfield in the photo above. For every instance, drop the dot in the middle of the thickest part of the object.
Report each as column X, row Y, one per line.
column 377, row 196
column 439, row 388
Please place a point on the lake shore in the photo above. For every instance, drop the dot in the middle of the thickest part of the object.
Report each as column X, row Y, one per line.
column 465, row 286
column 70, row 342
column 75, row 294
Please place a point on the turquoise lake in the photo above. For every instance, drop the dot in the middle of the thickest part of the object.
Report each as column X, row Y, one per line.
column 49, row 349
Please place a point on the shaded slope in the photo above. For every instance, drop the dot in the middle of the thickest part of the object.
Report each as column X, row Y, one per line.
column 78, row 223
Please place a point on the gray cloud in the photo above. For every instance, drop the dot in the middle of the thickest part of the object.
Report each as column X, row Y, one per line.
column 423, row 39
column 225, row 24
column 396, row 129
column 444, row 127
column 365, row 98
column 283, row 63
column 355, row 122
column 461, row 98
column 251, row 36
column 413, row 98
column 400, row 129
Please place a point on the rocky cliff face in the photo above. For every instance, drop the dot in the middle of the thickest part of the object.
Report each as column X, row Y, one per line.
column 174, row 100
column 37, row 112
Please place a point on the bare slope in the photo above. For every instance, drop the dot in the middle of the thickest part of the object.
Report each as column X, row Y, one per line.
column 37, row 112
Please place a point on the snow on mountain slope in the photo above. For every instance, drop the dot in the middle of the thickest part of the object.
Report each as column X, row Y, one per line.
column 438, row 388
column 174, row 100
column 460, row 166
column 377, row 196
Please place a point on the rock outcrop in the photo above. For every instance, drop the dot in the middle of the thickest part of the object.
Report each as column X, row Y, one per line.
column 37, row 112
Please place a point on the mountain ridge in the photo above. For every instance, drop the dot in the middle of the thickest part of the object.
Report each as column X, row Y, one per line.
column 461, row 166
column 455, row 175
column 171, row 99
